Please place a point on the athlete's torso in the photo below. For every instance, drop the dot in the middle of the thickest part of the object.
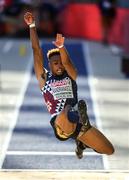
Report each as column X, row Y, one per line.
column 59, row 91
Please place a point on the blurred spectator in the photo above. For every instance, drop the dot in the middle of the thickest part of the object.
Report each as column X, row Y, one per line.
column 49, row 17
column 48, row 25
column 10, row 18
column 108, row 14
column 46, row 12
column 22, row 31
column 3, row 4
column 125, row 54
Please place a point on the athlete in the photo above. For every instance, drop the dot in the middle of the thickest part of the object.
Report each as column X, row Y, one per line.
column 69, row 118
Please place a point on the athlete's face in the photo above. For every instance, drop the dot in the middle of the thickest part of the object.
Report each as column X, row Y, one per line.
column 56, row 65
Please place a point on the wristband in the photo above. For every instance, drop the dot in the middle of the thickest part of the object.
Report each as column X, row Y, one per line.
column 32, row 25
column 61, row 46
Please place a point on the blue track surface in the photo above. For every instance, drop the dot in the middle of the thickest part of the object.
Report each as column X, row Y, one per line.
column 34, row 133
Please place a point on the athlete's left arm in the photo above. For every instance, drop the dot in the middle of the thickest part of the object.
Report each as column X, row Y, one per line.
column 65, row 58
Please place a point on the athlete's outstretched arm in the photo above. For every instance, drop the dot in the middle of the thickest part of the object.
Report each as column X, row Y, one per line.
column 65, row 58
column 37, row 51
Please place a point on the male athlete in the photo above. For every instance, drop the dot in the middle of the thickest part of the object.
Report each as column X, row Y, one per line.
column 69, row 117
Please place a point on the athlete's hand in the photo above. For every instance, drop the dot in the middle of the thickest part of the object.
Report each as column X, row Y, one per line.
column 28, row 18
column 59, row 42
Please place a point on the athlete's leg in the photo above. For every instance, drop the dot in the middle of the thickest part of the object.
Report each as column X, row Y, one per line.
column 91, row 136
column 80, row 147
column 97, row 141
column 65, row 127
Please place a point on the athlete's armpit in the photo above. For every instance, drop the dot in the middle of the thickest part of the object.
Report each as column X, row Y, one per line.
column 42, row 80
column 43, row 76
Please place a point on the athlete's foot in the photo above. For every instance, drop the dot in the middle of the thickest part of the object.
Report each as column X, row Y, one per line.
column 79, row 149
column 82, row 109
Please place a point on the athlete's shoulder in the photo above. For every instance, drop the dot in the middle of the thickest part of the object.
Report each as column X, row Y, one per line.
column 48, row 73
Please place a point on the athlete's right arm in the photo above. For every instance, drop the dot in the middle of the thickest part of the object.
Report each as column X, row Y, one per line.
column 37, row 51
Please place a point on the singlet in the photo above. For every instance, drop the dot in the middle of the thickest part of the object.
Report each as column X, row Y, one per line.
column 58, row 92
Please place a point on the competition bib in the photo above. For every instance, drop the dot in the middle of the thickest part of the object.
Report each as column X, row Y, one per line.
column 62, row 89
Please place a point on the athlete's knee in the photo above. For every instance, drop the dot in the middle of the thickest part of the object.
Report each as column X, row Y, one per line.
column 107, row 150
column 110, row 150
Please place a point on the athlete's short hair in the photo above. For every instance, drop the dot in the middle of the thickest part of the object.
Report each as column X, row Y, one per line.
column 53, row 52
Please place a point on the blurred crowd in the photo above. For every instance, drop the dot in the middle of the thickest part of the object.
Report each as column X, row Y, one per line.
column 50, row 20
column 47, row 14
column 108, row 14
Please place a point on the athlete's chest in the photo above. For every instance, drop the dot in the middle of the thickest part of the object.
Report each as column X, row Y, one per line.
column 59, row 88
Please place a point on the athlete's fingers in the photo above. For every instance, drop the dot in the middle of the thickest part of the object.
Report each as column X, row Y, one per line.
column 59, row 40
column 63, row 39
column 59, row 37
column 29, row 18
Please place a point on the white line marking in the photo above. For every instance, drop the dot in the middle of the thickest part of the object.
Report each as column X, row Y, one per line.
column 16, row 112
column 40, row 153
column 8, row 45
column 69, row 170
column 93, row 94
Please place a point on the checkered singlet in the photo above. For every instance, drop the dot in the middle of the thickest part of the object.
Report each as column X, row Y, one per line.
column 59, row 91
